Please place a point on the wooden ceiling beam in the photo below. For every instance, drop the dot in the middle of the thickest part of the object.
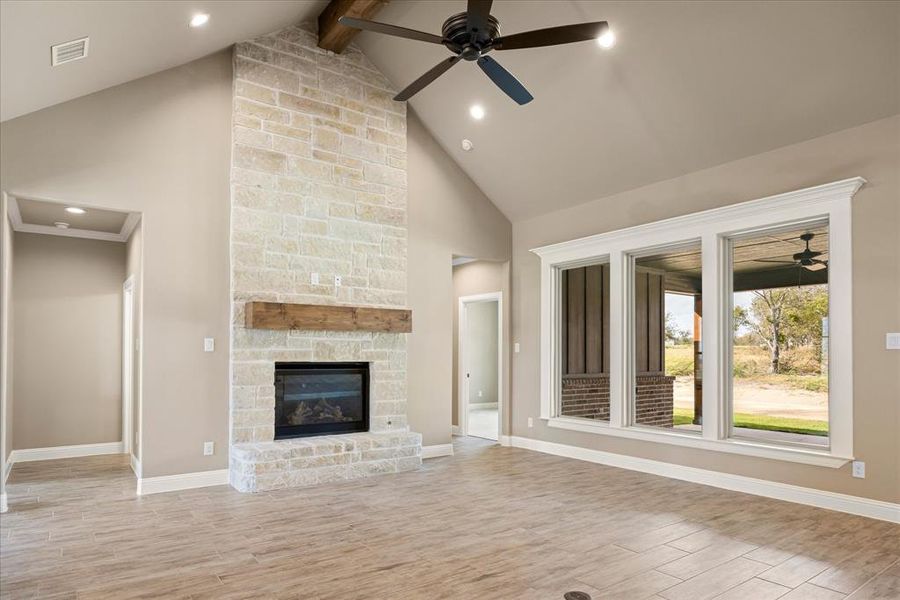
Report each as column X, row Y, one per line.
column 334, row 36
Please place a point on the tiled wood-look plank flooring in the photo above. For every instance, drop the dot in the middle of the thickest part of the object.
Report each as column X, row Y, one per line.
column 490, row 522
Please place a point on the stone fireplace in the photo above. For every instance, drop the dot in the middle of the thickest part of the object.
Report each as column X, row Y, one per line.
column 318, row 217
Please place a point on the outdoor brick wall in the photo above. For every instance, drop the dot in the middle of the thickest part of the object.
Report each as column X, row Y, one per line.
column 587, row 396
column 654, row 400
column 318, row 186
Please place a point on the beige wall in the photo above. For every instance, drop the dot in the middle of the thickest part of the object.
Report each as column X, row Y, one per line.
column 134, row 262
column 871, row 151
column 68, row 341
column 448, row 215
column 479, row 277
column 160, row 146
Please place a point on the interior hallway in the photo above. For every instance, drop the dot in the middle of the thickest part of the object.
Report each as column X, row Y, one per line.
column 543, row 525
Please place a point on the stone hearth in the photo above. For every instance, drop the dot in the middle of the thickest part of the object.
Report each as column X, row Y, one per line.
column 309, row 461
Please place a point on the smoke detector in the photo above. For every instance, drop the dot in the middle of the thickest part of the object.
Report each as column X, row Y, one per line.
column 467, row 145
column 69, row 51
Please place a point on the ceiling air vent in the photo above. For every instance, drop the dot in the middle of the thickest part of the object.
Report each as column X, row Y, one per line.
column 68, row 51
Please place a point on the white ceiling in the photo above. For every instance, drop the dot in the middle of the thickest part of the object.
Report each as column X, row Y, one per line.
column 30, row 215
column 47, row 214
column 128, row 40
column 688, row 86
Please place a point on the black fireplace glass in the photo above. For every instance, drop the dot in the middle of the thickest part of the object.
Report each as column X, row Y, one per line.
column 321, row 398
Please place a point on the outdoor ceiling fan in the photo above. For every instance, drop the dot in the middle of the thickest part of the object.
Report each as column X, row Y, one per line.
column 471, row 35
column 806, row 259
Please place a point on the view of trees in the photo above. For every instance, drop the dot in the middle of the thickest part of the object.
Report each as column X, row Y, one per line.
column 676, row 336
column 783, row 320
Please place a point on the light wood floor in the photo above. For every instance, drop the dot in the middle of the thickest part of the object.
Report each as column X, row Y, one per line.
column 490, row 522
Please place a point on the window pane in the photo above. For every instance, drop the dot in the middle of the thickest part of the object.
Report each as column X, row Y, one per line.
column 667, row 387
column 585, row 342
column 780, row 348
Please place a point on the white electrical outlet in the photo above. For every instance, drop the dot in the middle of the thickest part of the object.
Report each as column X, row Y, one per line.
column 337, row 281
column 480, row 394
column 209, row 344
column 314, row 278
column 892, row 341
column 209, row 448
column 859, row 469
column 516, row 347
column 530, row 422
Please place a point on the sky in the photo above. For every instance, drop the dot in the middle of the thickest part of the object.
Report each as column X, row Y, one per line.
column 681, row 307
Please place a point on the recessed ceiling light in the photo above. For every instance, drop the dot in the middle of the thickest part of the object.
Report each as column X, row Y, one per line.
column 607, row 40
column 477, row 111
column 61, row 225
column 199, row 20
column 75, row 210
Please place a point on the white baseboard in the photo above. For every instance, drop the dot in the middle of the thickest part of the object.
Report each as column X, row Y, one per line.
column 505, row 440
column 7, row 469
column 3, row 505
column 55, row 452
column 875, row 509
column 182, row 481
column 135, row 466
column 437, row 450
column 454, row 430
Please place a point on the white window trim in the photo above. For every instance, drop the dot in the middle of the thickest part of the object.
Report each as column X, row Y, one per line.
column 713, row 228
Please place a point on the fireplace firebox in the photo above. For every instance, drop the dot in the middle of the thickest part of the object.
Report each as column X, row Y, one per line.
column 321, row 398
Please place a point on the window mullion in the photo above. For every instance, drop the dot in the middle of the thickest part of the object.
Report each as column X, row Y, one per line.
column 618, row 340
column 715, row 329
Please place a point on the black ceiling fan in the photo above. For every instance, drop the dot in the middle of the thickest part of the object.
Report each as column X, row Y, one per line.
column 471, row 35
column 806, row 259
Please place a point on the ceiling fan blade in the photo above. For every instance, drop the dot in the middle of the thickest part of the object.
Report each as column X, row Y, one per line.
column 816, row 266
column 403, row 32
column 777, row 262
column 477, row 13
column 565, row 34
column 504, row 80
column 436, row 71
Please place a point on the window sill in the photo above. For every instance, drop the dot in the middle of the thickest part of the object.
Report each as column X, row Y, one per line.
column 819, row 458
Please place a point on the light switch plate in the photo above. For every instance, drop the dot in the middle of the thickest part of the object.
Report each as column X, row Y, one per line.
column 859, row 469
column 337, row 281
column 209, row 448
column 531, row 421
column 516, row 347
column 892, row 341
column 209, row 344
column 314, row 278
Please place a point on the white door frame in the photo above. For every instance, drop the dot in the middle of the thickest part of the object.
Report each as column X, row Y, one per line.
column 462, row 387
column 127, row 361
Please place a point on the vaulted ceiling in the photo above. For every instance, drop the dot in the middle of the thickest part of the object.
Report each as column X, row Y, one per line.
column 128, row 40
column 689, row 85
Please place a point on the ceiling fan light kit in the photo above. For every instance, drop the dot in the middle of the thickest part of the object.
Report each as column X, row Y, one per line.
column 471, row 35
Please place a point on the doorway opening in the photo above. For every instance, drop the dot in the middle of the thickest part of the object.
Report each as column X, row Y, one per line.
column 480, row 346
column 71, row 337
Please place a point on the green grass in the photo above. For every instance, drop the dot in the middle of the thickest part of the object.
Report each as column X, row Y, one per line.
column 683, row 416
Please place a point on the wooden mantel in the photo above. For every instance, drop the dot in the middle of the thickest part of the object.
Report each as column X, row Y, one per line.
column 318, row 317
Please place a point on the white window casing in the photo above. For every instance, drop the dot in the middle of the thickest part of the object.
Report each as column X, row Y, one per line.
column 713, row 228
